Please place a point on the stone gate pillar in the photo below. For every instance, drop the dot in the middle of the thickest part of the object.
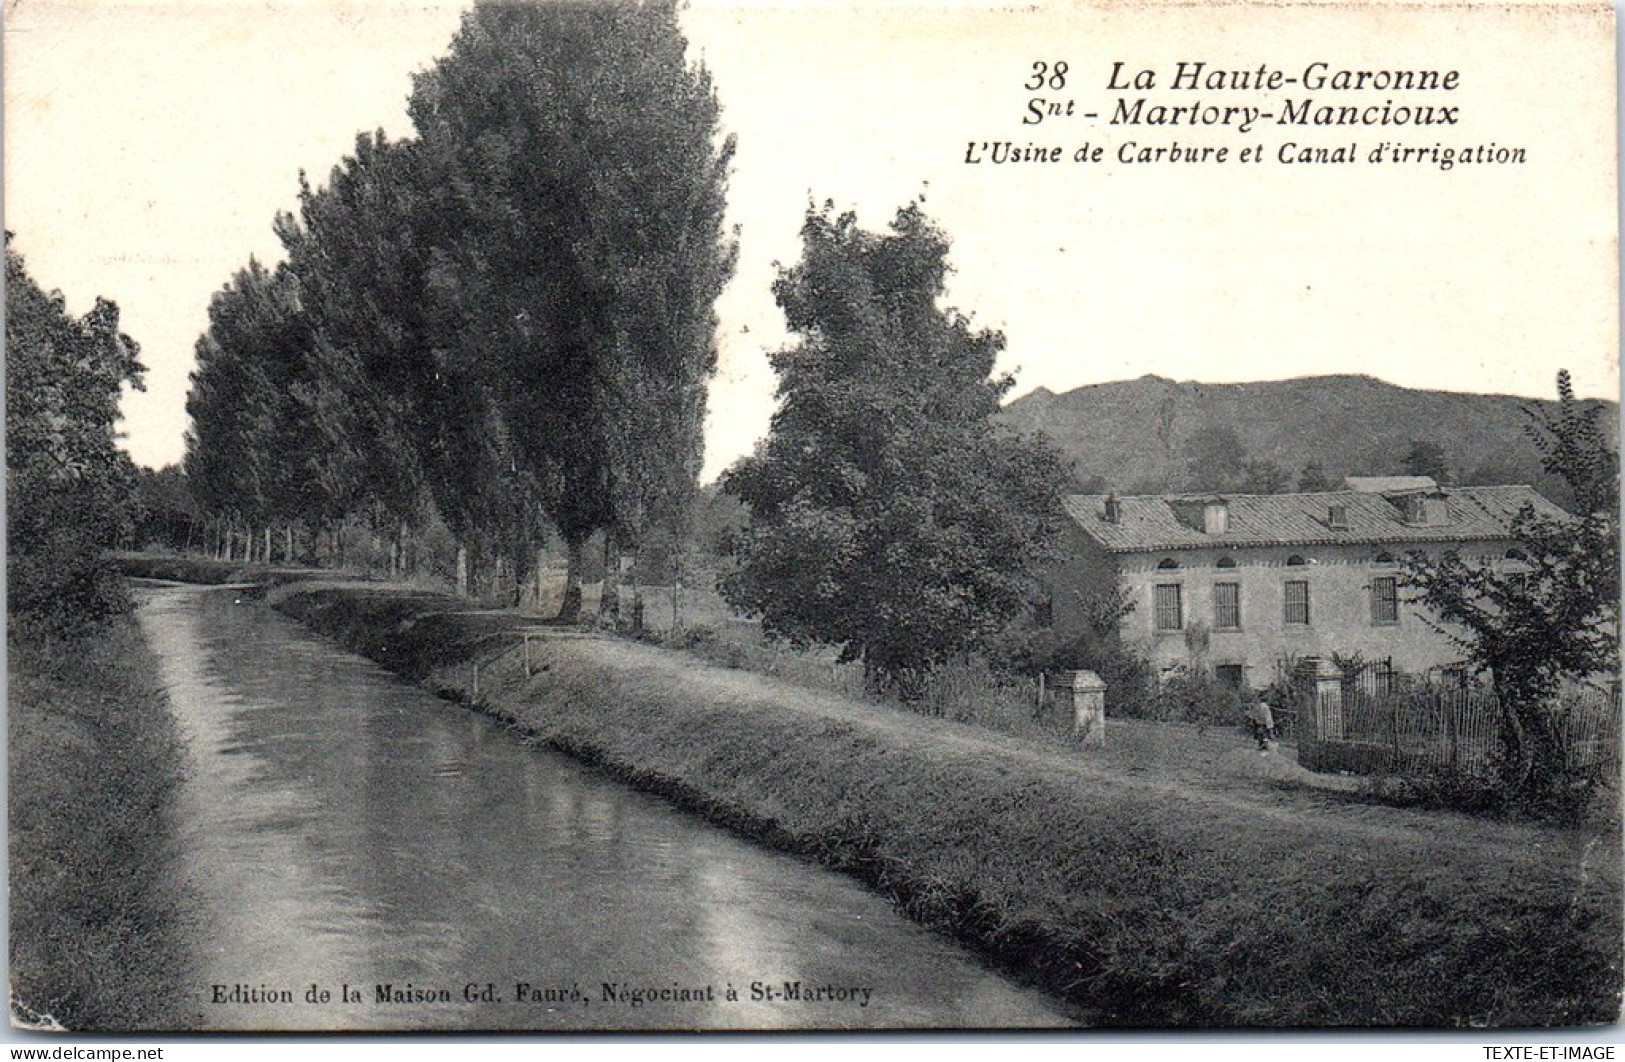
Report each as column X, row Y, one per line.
column 1088, row 696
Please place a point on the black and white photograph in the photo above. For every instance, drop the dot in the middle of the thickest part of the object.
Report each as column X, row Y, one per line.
column 637, row 516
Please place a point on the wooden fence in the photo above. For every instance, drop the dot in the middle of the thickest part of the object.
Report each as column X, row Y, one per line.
column 1368, row 725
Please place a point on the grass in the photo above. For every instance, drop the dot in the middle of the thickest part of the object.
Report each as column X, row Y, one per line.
column 1144, row 899
column 95, row 767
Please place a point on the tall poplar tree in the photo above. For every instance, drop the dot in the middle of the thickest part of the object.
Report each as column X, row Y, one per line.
column 249, row 444
column 584, row 166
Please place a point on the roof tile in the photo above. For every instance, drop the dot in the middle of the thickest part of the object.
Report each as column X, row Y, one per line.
column 1148, row 522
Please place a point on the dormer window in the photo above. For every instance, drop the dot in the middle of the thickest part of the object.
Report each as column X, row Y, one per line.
column 1425, row 510
column 1337, row 517
column 1215, row 518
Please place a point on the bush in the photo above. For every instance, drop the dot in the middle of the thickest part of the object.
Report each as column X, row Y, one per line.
column 973, row 692
column 706, row 643
column 1577, row 794
column 62, row 589
column 1127, row 674
column 1195, row 698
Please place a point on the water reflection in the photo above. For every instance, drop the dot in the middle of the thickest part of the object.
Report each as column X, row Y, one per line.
column 346, row 829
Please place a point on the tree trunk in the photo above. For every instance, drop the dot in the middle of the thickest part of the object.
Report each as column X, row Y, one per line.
column 676, row 597
column 609, row 604
column 462, row 570
column 267, row 557
column 287, row 544
column 521, row 554
column 637, row 602
column 570, row 607
column 541, row 572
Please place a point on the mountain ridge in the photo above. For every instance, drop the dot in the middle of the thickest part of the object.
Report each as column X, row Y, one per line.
column 1136, row 436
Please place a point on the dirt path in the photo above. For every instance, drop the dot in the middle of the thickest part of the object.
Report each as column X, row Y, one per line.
column 1213, row 767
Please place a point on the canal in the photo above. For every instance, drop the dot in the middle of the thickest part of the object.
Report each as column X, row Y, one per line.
column 366, row 856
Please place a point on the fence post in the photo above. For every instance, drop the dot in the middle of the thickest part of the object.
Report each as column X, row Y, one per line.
column 1393, row 733
column 1329, row 700
column 1452, row 732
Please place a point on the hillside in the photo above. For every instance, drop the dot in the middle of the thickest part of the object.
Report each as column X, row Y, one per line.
column 1135, row 435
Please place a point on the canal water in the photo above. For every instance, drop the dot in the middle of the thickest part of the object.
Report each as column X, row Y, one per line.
column 367, row 856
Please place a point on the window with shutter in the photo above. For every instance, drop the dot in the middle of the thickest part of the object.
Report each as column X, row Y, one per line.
column 1385, row 600
column 1227, row 606
column 1297, row 602
column 1169, row 616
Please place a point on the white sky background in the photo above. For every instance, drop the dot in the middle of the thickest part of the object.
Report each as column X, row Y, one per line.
column 148, row 147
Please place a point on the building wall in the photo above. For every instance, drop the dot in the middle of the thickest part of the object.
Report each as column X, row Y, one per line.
column 1341, row 621
column 1088, row 574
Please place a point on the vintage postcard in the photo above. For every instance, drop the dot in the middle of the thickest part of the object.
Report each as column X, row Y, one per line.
column 602, row 516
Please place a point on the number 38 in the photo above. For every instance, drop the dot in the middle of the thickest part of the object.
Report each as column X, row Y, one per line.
column 1046, row 74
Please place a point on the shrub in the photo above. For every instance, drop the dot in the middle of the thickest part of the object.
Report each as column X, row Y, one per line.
column 1186, row 697
column 1127, row 674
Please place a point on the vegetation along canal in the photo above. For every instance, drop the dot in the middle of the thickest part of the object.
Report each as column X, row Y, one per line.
column 350, row 835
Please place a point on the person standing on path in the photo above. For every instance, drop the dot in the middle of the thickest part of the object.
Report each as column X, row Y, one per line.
column 1261, row 719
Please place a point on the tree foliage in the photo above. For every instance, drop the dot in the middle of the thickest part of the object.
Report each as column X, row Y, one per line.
column 509, row 314
column 1555, row 618
column 1312, row 478
column 249, row 432
column 889, row 515
column 1217, row 460
column 1427, row 458
column 68, row 487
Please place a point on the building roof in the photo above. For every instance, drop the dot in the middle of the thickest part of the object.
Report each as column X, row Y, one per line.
column 1389, row 484
column 1153, row 522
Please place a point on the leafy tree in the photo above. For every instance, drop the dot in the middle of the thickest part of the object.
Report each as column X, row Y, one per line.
column 166, row 512
column 1313, row 479
column 889, row 515
column 1529, row 630
column 249, row 426
column 1215, row 459
column 584, row 169
column 1264, row 477
column 1427, row 458
column 363, row 248
column 68, row 488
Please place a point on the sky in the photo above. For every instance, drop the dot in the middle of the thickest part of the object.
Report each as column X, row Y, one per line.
column 149, row 145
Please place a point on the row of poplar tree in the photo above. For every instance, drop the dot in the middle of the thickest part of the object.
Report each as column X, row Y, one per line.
column 507, row 318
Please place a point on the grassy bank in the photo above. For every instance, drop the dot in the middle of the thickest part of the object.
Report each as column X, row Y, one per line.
column 206, row 570
column 1143, row 900
column 95, row 765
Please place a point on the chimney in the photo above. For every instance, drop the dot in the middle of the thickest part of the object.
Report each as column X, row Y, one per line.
column 1114, row 509
column 1215, row 518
